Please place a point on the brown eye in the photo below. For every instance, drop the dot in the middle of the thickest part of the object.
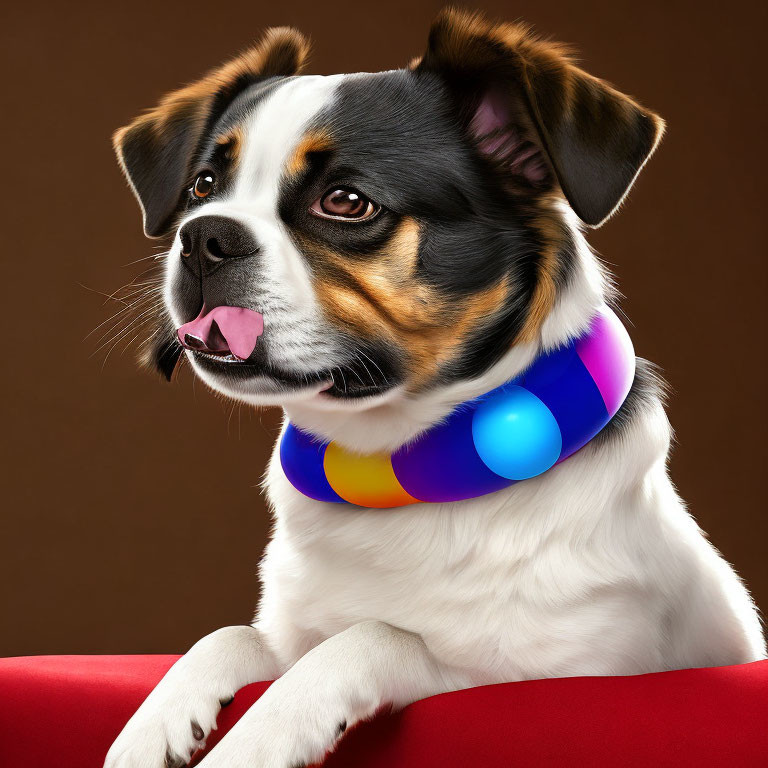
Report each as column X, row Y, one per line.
column 203, row 185
column 344, row 203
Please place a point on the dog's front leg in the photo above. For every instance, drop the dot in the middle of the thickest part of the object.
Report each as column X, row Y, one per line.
column 176, row 718
column 343, row 680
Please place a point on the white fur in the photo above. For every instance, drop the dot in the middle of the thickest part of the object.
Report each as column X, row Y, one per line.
column 282, row 289
column 594, row 568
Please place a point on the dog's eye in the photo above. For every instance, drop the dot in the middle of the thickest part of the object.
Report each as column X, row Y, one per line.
column 344, row 204
column 203, row 185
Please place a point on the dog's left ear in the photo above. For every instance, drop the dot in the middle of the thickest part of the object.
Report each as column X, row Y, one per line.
column 526, row 104
column 157, row 149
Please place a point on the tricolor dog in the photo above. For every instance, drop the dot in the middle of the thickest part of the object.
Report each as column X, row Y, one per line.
column 372, row 253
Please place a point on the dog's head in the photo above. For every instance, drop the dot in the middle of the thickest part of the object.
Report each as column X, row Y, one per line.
column 343, row 238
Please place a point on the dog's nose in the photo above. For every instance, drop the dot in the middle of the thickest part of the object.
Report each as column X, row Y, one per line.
column 207, row 241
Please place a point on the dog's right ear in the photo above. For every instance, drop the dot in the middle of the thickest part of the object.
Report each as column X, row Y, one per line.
column 157, row 149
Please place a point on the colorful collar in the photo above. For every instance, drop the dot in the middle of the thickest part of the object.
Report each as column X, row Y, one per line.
column 512, row 433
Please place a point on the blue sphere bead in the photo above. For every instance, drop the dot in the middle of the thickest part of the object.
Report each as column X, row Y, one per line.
column 515, row 434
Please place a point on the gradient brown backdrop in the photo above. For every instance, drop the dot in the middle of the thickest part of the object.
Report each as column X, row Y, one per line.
column 131, row 519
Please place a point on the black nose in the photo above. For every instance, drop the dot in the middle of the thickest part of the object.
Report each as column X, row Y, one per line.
column 208, row 240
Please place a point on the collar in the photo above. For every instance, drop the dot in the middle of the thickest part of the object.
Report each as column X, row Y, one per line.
column 512, row 433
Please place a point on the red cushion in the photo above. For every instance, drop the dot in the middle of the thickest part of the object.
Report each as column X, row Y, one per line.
column 64, row 711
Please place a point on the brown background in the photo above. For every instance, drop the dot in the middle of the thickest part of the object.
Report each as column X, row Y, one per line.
column 131, row 521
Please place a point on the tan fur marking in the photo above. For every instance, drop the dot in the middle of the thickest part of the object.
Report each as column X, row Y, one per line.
column 384, row 283
column 313, row 141
column 545, row 292
column 233, row 140
column 543, row 296
column 446, row 342
column 384, row 299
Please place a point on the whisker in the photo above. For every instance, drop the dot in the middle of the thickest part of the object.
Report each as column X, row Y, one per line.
column 352, row 368
column 377, row 366
column 137, row 323
column 151, row 336
column 152, row 256
column 124, row 331
column 370, row 375
column 144, row 303
column 343, row 378
column 116, row 342
column 108, row 296
column 229, row 418
column 117, row 314
column 127, row 344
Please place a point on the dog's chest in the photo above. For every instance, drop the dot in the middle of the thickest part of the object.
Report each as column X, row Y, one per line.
column 486, row 582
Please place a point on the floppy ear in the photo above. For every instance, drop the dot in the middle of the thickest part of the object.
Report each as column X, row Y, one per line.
column 157, row 149
column 530, row 108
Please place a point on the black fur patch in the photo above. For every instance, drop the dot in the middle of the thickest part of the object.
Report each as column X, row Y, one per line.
column 399, row 138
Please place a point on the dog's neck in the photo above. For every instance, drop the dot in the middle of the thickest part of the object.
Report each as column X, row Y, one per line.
column 400, row 416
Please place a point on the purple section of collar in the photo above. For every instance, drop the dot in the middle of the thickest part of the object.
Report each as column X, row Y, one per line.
column 443, row 464
column 606, row 351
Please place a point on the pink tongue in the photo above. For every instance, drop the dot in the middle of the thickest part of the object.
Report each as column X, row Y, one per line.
column 222, row 330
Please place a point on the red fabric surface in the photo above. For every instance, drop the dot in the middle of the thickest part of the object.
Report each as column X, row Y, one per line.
column 64, row 711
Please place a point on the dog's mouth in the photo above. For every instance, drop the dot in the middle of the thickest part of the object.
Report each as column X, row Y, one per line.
column 229, row 334
column 225, row 342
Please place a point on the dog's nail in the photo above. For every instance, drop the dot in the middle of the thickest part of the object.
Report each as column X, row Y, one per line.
column 173, row 762
column 342, row 726
column 226, row 702
column 197, row 731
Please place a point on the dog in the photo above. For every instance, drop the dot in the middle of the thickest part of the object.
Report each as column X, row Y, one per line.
column 370, row 251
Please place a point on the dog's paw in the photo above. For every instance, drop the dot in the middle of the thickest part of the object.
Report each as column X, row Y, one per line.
column 177, row 717
column 165, row 732
column 292, row 744
column 283, row 731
